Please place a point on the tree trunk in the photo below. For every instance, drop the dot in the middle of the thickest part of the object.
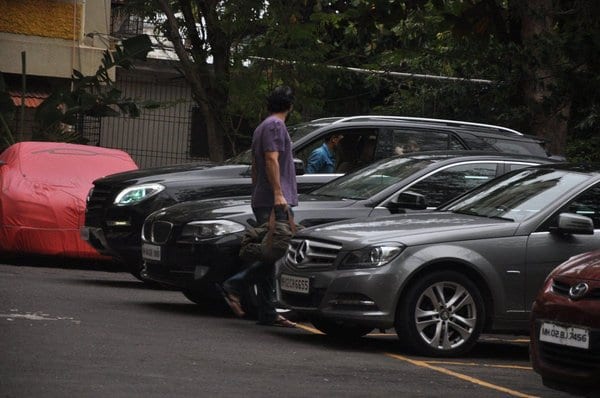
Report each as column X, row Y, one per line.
column 202, row 81
column 550, row 114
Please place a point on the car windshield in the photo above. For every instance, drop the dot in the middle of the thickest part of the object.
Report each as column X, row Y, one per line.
column 370, row 180
column 296, row 131
column 517, row 196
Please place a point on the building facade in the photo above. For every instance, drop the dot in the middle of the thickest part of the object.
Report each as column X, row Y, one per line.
column 45, row 40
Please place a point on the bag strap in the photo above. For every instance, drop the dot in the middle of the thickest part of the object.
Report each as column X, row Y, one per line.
column 272, row 224
column 290, row 219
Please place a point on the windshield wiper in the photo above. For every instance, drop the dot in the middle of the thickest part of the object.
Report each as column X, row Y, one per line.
column 501, row 218
column 468, row 213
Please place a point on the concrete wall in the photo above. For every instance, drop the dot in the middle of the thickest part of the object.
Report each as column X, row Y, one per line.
column 57, row 36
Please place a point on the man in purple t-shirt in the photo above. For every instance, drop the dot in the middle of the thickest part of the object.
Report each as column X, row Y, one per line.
column 274, row 181
column 273, row 171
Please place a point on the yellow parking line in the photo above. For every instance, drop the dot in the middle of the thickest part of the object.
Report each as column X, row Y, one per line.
column 460, row 376
column 429, row 365
column 522, row 340
column 479, row 364
column 308, row 328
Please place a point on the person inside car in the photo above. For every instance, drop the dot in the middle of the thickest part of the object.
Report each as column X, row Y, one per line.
column 322, row 158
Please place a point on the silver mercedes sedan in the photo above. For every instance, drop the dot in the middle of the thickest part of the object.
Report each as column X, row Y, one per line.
column 441, row 278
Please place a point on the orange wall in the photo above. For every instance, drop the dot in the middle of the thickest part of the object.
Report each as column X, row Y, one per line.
column 47, row 18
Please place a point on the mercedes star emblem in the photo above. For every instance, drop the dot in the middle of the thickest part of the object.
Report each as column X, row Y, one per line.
column 301, row 252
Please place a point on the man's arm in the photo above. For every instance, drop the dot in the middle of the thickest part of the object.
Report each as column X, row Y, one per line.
column 272, row 171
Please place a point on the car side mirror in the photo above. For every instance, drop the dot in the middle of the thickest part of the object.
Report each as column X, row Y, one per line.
column 299, row 166
column 407, row 200
column 571, row 223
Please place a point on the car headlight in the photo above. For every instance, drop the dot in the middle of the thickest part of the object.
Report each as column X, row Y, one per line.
column 371, row 257
column 198, row 230
column 137, row 193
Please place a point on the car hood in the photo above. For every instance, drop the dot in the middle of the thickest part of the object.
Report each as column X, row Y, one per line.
column 585, row 266
column 174, row 174
column 412, row 229
column 238, row 208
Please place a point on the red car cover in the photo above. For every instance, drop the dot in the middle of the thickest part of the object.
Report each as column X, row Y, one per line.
column 43, row 188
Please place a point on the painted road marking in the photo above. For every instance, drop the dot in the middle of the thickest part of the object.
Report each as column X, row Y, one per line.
column 486, row 365
column 431, row 365
column 36, row 316
column 461, row 376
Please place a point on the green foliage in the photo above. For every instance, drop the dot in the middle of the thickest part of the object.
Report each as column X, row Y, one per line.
column 299, row 42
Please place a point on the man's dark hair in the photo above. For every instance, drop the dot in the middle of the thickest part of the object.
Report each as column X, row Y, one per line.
column 281, row 99
column 331, row 136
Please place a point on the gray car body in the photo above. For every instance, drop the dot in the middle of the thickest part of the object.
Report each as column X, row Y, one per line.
column 180, row 257
column 508, row 261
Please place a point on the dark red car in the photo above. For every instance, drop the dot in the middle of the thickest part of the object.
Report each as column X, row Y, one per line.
column 565, row 327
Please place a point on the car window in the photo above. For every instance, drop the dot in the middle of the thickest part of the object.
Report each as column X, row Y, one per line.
column 448, row 183
column 519, row 195
column 366, row 182
column 516, row 147
column 517, row 166
column 406, row 140
column 586, row 204
column 355, row 150
column 296, row 131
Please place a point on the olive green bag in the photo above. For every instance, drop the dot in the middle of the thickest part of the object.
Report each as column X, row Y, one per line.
column 269, row 241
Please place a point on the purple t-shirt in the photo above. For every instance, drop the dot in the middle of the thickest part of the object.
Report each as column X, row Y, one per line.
column 272, row 136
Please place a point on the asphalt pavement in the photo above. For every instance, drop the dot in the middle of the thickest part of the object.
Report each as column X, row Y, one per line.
column 79, row 331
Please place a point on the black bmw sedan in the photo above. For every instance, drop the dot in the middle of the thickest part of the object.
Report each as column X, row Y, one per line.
column 192, row 245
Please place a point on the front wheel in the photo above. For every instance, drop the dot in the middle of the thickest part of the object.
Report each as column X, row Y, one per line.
column 340, row 330
column 441, row 315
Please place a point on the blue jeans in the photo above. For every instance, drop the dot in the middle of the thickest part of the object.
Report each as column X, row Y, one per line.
column 259, row 273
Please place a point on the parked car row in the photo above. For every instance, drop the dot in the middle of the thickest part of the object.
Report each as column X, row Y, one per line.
column 195, row 244
column 119, row 204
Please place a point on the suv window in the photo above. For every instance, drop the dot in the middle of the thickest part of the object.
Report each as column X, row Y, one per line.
column 517, row 147
column 405, row 140
column 355, row 150
column 448, row 183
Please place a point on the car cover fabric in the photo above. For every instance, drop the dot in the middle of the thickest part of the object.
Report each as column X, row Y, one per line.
column 43, row 191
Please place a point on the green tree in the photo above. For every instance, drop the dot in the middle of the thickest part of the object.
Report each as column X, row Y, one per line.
column 540, row 55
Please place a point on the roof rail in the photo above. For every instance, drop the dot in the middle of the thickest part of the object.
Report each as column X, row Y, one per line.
column 427, row 120
column 331, row 119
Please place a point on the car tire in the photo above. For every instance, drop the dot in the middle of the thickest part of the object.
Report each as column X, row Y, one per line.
column 340, row 330
column 428, row 323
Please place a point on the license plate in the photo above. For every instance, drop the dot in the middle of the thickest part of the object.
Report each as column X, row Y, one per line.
column 565, row 335
column 296, row 284
column 84, row 232
column 150, row 252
